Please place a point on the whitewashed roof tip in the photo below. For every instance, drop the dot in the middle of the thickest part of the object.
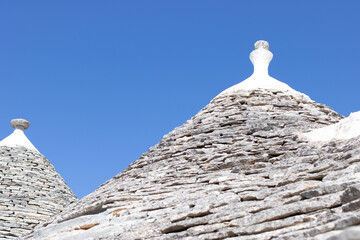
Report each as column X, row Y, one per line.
column 345, row 129
column 18, row 137
column 260, row 79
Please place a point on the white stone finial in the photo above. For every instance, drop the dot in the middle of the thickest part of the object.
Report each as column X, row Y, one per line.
column 262, row 44
column 18, row 138
column 260, row 79
column 261, row 58
column 20, row 123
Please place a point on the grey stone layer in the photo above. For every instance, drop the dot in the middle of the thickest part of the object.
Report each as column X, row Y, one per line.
column 237, row 170
column 30, row 191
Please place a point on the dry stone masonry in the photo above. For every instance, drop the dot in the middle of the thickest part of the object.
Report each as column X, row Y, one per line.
column 239, row 169
column 30, row 189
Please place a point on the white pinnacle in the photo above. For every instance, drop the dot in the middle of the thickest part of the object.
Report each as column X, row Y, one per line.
column 18, row 138
column 260, row 79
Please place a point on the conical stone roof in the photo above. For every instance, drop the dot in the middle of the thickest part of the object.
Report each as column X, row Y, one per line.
column 239, row 169
column 30, row 189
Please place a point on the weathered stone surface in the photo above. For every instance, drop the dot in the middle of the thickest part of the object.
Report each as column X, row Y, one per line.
column 237, row 170
column 30, row 191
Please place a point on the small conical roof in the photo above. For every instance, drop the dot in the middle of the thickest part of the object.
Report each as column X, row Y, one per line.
column 30, row 189
column 18, row 137
column 238, row 169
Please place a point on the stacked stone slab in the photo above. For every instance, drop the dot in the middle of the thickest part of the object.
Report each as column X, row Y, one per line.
column 239, row 169
column 30, row 191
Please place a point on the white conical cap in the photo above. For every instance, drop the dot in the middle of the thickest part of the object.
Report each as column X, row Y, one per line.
column 18, row 138
column 260, row 79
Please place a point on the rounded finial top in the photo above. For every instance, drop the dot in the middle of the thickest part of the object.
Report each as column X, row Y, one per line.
column 20, row 123
column 262, row 44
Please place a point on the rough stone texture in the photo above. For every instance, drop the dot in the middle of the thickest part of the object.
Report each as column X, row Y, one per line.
column 237, row 170
column 30, row 191
column 22, row 123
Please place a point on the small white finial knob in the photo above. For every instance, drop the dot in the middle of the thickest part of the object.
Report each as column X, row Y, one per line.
column 20, row 123
column 262, row 44
column 260, row 79
column 261, row 58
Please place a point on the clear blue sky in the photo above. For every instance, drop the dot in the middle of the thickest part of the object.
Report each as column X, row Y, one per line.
column 102, row 81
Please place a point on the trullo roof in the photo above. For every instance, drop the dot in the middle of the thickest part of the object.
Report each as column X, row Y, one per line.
column 239, row 169
column 30, row 189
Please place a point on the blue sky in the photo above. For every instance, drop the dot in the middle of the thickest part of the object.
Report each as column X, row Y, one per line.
column 102, row 81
